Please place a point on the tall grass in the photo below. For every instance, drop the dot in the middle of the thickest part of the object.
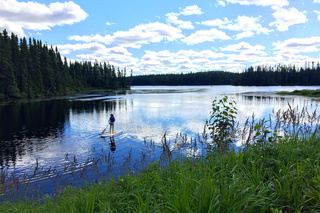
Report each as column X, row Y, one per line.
column 284, row 177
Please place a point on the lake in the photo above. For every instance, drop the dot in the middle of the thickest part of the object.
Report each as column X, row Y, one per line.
column 51, row 143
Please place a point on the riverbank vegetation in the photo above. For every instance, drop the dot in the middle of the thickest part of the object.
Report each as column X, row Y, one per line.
column 30, row 69
column 275, row 170
column 305, row 92
column 281, row 177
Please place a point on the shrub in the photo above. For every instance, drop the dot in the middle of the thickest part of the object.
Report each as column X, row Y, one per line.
column 222, row 124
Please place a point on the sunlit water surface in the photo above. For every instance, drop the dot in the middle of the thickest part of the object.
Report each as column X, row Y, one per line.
column 52, row 143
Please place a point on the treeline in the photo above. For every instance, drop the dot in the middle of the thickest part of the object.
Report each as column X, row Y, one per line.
column 253, row 76
column 30, row 69
column 199, row 78
column 280, row 75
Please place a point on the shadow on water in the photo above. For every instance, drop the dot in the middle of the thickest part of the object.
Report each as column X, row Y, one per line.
column 113, row 146
column 24, row 125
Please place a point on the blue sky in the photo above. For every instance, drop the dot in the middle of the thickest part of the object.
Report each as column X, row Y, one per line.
column 162, row 36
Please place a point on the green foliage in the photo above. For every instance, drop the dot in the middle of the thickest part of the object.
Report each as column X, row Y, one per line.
column 305, row 92
column 264, row 135
column 273, row 210
column 222, row 123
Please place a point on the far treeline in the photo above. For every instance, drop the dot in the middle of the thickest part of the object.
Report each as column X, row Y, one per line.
column 253, row 76
column 30, row 69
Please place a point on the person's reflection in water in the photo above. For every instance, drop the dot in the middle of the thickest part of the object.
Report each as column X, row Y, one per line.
column 112, row 144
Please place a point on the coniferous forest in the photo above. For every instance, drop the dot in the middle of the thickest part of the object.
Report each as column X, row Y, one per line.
column 30, row 69
column 253, row 76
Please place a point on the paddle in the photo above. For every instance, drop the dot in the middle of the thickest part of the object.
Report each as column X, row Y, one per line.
column 104, row 129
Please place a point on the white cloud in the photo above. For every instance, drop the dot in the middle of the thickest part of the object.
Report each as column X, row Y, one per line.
column 19, row 16
column 173, row 19
column 147, row 33
column 173, row 62
column 135, row 37
column 191, row 10
column 207, row 54
column 297, row 60
column 272, row 3
column 254, row 53
column 242, row 46
column 115, row 59
column 109, row 23
column 316, row 1
column 249, row 26
column 68, row 48
column 183, row 54
column 244, row 35
column 246, row 24
column 11, row 27
column 117, row 56
column 244, row 53
column 92, row 38
column 118, row 50
column 97, row 49
column 216, row 22
column 298, row 45
column 189, row 67
column 222, row 3
column 287, row 17
column 205, row 35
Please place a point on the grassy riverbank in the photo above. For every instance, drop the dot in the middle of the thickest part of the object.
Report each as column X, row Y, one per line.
column 283, row 176
column 305, row 92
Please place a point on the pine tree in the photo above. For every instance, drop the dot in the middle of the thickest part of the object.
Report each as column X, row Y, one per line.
column 25, row 83
column 9, row 85
column 34, row 69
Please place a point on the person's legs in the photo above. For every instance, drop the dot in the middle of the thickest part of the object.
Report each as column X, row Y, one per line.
column 111, row 128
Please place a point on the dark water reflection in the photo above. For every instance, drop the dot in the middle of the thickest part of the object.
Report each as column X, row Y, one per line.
column 21, row 123
column 55, row 142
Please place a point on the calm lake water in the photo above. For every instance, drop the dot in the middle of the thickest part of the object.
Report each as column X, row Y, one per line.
column 49, row 144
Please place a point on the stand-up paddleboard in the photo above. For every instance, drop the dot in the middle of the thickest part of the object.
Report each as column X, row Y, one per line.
column 111, row 134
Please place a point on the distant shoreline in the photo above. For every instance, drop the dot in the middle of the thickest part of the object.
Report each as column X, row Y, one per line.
column 305, row 92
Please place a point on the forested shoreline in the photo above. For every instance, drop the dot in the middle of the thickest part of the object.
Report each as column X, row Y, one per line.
column 30, row 69
column 284, row 75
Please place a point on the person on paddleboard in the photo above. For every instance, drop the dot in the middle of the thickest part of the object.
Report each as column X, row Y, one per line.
column 112, row 119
